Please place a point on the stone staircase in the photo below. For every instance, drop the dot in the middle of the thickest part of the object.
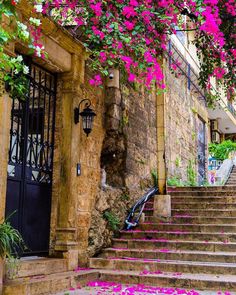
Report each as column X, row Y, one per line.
column 232, row 178
column 194, row 249
column 43, row 276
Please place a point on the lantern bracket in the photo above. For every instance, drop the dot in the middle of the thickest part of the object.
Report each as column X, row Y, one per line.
column 77, row 110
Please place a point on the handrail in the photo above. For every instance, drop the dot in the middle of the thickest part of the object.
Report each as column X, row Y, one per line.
column 140, row 204
column 229, row 173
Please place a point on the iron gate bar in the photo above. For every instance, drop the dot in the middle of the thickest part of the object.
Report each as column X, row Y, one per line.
column 30, row 164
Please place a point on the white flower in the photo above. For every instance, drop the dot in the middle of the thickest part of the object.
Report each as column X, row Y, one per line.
column 19, row 58
column 38, row 7
column 38, row 50
column 25, row 70
column 23, row 31
column 34, row 21
column 16, row 71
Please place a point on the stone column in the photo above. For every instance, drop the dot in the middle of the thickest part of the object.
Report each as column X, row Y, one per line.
column 5, row 116
column 161, row 163
column 5, row 119
column 64, row 209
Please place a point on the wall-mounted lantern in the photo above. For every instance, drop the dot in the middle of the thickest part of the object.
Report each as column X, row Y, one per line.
column 87, row 116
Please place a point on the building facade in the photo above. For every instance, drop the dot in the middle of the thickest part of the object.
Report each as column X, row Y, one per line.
column 60, row 182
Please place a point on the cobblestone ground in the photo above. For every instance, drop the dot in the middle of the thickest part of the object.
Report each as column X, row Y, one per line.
column 105, row 288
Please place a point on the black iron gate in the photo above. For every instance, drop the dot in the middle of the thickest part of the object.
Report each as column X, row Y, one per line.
column 30, row 163
column 201, row 151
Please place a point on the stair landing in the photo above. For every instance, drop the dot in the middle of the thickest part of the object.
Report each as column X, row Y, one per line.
column 44, row 276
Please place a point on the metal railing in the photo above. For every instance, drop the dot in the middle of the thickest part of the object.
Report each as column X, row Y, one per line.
column 176, row 58
column 132, row 220
column 231, row 108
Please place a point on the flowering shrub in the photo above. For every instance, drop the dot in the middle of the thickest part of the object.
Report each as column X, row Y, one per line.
column 13, row 69
column 133, row 35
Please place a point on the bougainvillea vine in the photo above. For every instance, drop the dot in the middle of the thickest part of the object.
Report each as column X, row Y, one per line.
column 133, row 35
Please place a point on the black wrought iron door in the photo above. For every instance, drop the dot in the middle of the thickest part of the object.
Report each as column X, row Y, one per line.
column 30, row 163
column 201, row 151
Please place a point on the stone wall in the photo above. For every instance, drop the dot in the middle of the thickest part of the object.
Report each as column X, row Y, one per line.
column 130, row 145
column 116, row 202
column 140, row 128
column 128, row 157
column 182, row 111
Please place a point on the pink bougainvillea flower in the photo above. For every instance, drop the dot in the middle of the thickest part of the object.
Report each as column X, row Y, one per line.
column 129, row 25
column 96, row 81
column 129, row 11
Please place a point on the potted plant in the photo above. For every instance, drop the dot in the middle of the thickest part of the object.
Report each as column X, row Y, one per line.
column 10, row 241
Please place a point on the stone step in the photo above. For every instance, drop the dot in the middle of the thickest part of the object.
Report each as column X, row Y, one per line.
column 204, row 212
column 200, row 189
column 149, row 205
column 175, row 245
column 201, row 281
column 204, row 193
column 188, row 227
column 148, row 211
column 200, row 199
column 166, row 254
column 49, row 284
column 154, row 265
column 178, row 235
column 186, row 218
column 202, row 205
column 37, row 266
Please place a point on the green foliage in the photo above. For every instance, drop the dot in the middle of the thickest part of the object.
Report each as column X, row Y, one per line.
column 154, row 177
column 194, row 135
column 206, row 183
column 177, row 162
column 191, row 174
column 10, row 239
column 141, row 161
column 124, row 119
column 12, row 267
column 125, row 197
column 13, row 69
column 222, row 150
column 112, row 220
column 194, row 110
column 191, row 177
column 174, row 181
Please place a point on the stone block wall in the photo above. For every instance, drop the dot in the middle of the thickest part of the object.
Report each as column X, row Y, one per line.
column 116, row 202
column 127, row 159
column 139, row 123
column 130, row 145
column 182, row 112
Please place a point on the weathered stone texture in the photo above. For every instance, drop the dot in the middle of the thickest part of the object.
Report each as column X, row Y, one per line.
column 73, row 195
column 5, row 111
column 182, row 110
column 139, row 126
column 115, row 201
column 162, row 206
